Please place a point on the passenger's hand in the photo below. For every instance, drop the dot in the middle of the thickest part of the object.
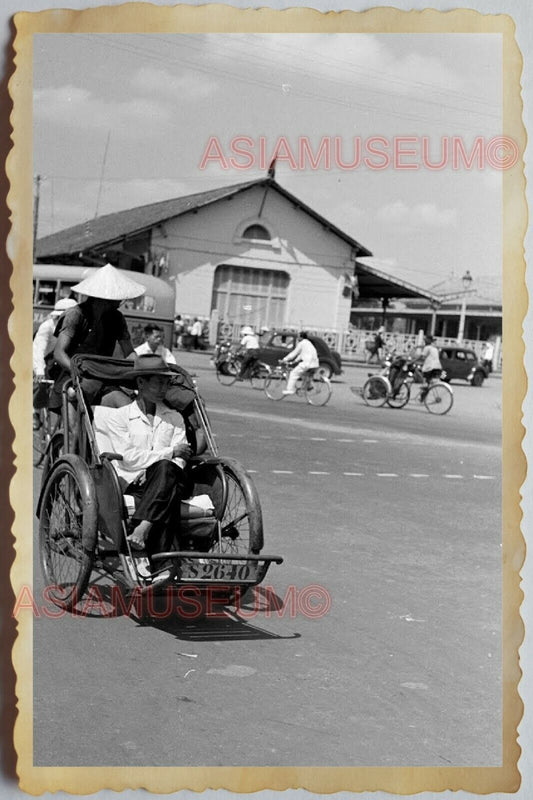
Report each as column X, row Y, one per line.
column 183, row 450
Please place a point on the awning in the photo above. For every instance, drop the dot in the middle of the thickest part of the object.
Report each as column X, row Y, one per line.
column 376, row 283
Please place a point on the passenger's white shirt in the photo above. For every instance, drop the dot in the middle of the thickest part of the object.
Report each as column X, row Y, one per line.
column 139, row 439
column 306, row 353
column 43, row 344
column 250, row 341
column 144, row 349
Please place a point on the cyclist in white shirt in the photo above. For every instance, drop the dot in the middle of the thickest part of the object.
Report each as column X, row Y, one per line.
column 431, row 366
column 250, row 344
column 306, row 355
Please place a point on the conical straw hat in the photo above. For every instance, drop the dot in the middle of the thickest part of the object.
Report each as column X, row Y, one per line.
column 108, row 283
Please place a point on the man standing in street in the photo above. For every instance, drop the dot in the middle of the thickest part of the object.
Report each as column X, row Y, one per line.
column 153, row 344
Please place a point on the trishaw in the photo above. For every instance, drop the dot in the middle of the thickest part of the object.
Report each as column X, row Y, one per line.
column 83, row 513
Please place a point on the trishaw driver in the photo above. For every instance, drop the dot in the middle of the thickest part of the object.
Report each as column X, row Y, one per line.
column 94, row 327
column 151, row 438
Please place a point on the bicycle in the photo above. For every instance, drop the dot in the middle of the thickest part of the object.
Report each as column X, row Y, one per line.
column 228, row 367
column 315, row 387
column 378, row 390
column 43, row 431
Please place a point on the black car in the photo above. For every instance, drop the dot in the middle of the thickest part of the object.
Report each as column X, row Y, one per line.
column 276, row 345
column 462, row 363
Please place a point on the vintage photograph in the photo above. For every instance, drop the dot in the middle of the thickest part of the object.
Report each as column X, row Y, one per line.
column 268, row 353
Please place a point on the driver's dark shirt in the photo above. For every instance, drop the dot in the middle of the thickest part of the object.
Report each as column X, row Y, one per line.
column 88, row 338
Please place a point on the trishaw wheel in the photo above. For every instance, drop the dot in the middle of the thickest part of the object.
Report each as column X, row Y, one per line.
column 68, row 530
column 375, row 391
column 53, row 451
column 401, row 398
column 241, row 520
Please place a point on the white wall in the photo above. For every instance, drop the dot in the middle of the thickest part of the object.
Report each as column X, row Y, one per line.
column 315, row 259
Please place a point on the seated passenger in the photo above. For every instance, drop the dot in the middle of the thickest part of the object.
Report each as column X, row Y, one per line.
column 152, row 441
column 306, row 355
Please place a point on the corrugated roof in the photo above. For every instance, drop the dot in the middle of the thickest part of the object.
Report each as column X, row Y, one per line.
column 114, row 227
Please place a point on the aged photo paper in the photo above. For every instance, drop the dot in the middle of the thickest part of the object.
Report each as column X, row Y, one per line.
column 384, row 652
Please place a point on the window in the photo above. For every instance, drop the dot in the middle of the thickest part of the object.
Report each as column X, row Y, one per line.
column 248, row 296
column 256, row 232
column 46, row 293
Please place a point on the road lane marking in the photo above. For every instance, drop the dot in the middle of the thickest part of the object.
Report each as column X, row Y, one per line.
column 453, row 476
column 356, row 474
column 484, row 477
column 317, row 439
column 387, row 474
column 418, row 475
column 370, row 441
column 283, row 471
column 316, row 472
column 345, row 440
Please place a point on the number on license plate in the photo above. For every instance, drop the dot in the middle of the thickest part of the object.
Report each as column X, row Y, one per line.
column 235, row 572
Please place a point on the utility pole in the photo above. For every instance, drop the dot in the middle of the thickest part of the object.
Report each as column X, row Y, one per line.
column 36, row 212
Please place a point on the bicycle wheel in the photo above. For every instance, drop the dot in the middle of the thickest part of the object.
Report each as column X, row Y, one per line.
column 401, row 398
column 260, row 373
column 317, row 390
column 68, row 514
column 227, row 373
column 439, row 398
column 41, row 437
column 375, row 391
column 274, row 385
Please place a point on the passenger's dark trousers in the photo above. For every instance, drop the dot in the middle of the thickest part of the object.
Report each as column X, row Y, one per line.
column 158, row 501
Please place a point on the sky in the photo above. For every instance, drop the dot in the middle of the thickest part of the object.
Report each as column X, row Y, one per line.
column 125, row 120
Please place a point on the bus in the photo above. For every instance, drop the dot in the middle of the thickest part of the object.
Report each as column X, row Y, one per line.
column 52, row 282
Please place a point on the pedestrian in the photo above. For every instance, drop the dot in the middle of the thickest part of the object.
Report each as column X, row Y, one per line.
column 179, row 327
column 44, row 366
column 250, row 345
column 153, row 344
column 94, row 327
column 375, row 345
column 487, row 354
column 431, row 367
column 307, row 357
column 196, row 334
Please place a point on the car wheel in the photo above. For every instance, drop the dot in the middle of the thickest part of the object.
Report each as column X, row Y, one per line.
column 324, row 370
column 478, row 379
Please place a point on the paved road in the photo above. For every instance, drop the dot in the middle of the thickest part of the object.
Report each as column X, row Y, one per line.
column 394, row 518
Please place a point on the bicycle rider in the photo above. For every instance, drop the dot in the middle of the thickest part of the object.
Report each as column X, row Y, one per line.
column 306, row 355
column 431, row 367
column 250, row 344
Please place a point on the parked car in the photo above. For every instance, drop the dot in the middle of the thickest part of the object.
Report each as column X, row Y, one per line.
column 277, row 344
column 462, row 363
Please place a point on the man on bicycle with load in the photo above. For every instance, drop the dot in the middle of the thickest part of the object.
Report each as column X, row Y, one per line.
column 306, row 355
column 431, row 367
column 250, row 343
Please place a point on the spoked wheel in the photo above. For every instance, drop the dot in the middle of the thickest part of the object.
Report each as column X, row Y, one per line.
column 401, row 398
column 68, row 514
column 227, row 373
column 318, row 390
column 41, row 438
column 375, row 391
column 260, row 373
column 53, row 451
column 241, row 520
column 439, row 398
column 274, row 386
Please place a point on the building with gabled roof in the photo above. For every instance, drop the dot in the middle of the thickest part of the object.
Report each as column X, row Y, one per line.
column 248, row 253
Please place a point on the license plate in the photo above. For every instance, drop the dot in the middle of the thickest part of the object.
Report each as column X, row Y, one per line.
column 220, row 571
